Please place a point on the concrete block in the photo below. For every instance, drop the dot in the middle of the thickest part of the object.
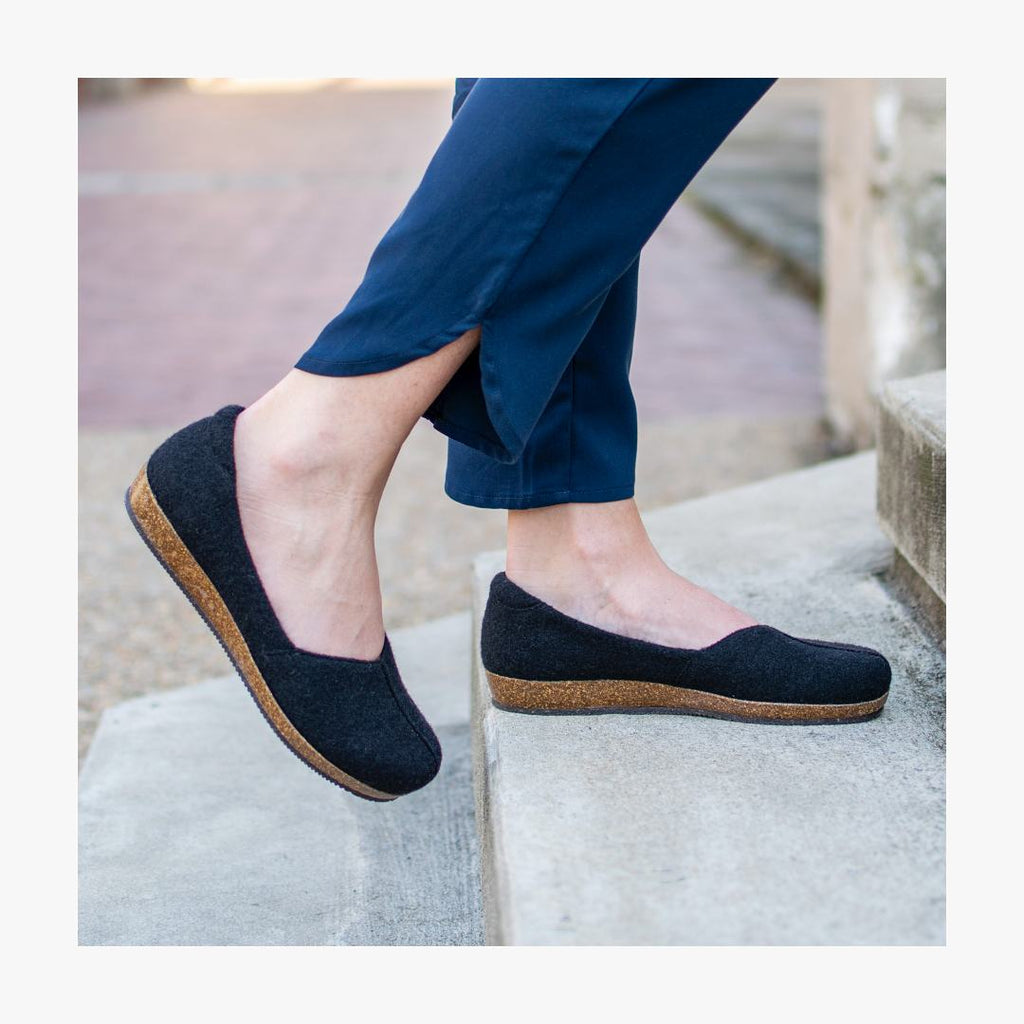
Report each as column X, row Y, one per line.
column 912, row 473
column 657, row 829
column 198, row 827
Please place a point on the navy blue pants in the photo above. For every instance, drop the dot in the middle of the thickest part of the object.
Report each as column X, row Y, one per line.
column 529, row 222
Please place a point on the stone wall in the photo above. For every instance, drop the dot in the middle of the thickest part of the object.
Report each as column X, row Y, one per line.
column 883, row 211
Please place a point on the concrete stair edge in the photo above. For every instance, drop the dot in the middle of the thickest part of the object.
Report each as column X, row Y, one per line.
column 912, row 474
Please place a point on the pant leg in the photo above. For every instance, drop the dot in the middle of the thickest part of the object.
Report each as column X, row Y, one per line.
column 537, row 202
column 583, row 447
column 576, row 438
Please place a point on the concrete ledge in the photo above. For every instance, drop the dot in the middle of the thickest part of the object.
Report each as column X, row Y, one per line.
column 912, row 473
column 656, row 829
column 911, row 590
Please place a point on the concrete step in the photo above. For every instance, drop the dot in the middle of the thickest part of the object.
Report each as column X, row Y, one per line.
column 912, row 486
column 763, row 182
column 658, row 829
column 198, row 827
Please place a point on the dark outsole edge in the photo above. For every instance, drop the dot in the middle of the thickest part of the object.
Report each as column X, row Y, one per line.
column 721, row 715
column 234, row 664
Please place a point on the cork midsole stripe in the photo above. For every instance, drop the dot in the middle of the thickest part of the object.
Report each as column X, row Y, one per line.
column 194, row 581
column 626, row 694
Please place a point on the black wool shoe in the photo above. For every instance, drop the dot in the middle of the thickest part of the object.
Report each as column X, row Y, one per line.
column 539, row 660
column 348, row 719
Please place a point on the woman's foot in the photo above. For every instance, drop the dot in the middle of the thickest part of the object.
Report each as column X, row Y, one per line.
column 541, row 661
column 594, row 562
column 351, row 720
column 312, row 457
column 308, row 513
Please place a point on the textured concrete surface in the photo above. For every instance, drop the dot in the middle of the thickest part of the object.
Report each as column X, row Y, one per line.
column 659, row 829
column 912, row 473
column 198, row 827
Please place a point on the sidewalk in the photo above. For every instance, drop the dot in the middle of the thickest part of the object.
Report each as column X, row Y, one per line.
column 219, row 232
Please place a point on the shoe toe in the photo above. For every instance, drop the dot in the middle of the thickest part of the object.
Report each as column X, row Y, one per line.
column 764, row 664
column 871, row 673
column 358, row 716
column 852, row 674
column 409, row 768
column 390, row 747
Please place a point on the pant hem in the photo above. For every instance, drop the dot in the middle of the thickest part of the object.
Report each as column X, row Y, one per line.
column 540, row 499
column 379, row 364
column 508, row 446
column 470, row 438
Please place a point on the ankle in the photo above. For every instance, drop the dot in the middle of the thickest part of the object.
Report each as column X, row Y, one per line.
column 594, row 553
column 306, row 456
column 600, row 539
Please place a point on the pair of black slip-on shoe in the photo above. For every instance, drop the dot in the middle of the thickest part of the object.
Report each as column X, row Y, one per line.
column 354, row 722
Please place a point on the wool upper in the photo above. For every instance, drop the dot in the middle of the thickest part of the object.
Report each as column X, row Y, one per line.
column 524, row 638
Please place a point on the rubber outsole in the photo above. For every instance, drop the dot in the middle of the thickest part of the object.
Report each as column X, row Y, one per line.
column 628, row 696
column 167, row 547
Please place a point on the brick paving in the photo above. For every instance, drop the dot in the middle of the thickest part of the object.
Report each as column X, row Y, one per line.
column 218, row 233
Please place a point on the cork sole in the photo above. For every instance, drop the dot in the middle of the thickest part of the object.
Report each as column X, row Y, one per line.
column 162, row 539
column 605, row 696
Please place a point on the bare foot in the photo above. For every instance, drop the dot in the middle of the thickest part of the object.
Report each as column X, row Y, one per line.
column 595, row 562
column 309, row 528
